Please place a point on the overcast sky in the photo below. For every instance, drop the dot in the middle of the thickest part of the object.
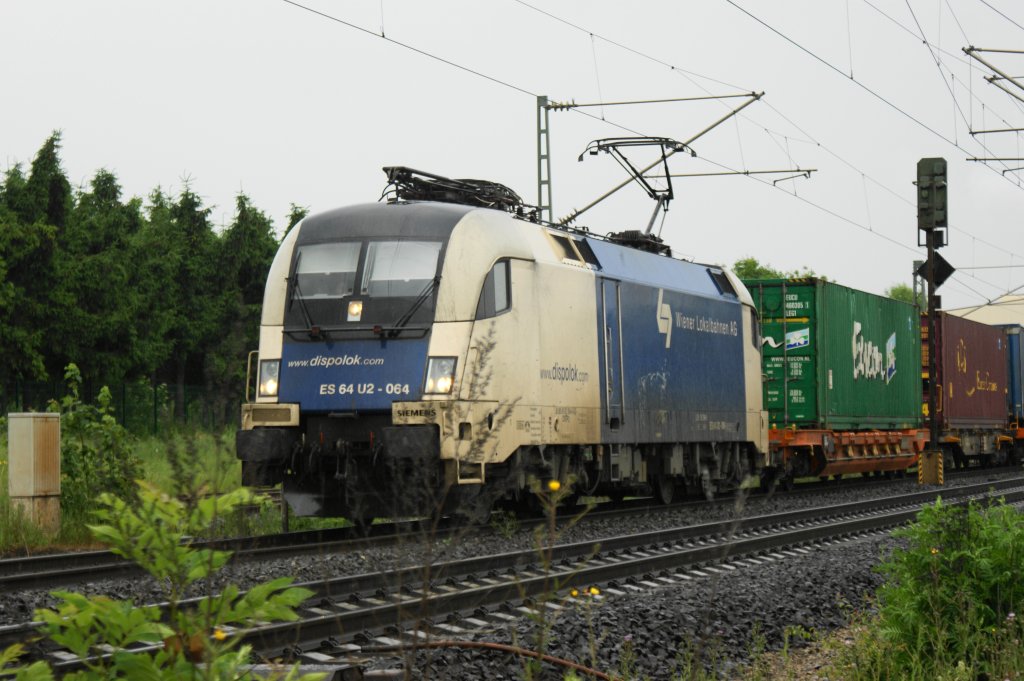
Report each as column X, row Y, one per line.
column 305, row 102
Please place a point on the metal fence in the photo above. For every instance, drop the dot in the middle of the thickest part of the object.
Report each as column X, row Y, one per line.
column 141, row 408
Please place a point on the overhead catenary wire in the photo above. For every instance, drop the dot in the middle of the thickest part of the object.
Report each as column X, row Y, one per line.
column 938, row 64
column 934, row 52
column 686, row 74
column 627, row 48
column 860, row 84
column 525, row 91
column 411, row 48
column 956, row 20
column 986, row 3
column 849, row 37
column 958, row 57
column 683, row 73
column 597, row 72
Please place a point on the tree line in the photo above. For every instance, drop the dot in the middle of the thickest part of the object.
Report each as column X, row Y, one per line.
column 129, row 290
column 751, row 268
column 139, row 290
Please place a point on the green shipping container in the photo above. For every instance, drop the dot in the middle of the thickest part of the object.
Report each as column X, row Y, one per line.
column 837, row 358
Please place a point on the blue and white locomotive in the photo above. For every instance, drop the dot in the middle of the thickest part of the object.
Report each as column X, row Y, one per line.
column 438, row 351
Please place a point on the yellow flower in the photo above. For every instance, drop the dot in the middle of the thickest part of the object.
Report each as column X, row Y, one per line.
column 554, row 485
column 594, row 591
column 934, row 550
column 574, row 593
column 220, row 634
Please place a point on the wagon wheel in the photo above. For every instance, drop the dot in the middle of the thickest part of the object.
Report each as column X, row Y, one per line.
column 707, row 485
column 770, row 479
column 477, row 510
column 362, row 522
column 528, row 504
column 664, row 487
column 948, row 461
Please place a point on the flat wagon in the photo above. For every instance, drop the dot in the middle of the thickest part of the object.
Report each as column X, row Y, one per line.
column 841, row 378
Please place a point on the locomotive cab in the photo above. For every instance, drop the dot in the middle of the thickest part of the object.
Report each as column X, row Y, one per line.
column 347, row 321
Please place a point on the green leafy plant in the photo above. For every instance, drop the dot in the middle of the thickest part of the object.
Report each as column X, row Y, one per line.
column 504, row 522
column 199, row 641
column 948, row 607
column 96, row 452
column 955, row 582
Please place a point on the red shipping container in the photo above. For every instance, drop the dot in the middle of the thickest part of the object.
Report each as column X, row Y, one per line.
column 972, row 373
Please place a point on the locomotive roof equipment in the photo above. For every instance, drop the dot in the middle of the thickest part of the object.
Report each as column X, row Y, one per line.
column 408, row 184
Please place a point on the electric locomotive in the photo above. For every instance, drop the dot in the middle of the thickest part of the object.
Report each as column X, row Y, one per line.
column 444, row 349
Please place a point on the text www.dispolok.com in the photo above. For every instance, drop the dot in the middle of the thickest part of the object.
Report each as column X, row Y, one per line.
column 342, row 361
column 563, row 374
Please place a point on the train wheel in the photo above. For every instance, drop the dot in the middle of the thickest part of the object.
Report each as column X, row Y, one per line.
column 572, row 498
column 948, row 462
column 477, row 509
column 707, row 485
column 528, row 504
column 362, row 523
column 664, row 489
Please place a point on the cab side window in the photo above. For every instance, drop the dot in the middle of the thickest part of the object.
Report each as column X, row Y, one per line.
column 496, row 296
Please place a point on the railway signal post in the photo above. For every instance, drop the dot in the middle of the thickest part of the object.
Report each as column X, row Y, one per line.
column 932, row 227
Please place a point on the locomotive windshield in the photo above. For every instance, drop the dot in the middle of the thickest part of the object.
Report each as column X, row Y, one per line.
column 361, row 284
column 399, row 268
column 326, row 270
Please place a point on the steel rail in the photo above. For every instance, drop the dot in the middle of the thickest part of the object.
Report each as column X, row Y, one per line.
column 59, row 569
column 348, row 606
column 578, row 564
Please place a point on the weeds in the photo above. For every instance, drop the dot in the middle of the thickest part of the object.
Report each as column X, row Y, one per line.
column 198, row 642
column 96, row 455
column 948, row 609
column 504, row 523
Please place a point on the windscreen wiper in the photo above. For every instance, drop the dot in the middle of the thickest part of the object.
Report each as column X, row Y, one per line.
column 314, row 330
column 423, row 297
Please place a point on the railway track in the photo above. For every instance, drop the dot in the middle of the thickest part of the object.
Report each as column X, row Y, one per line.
column 50, row 571
column 353, row 616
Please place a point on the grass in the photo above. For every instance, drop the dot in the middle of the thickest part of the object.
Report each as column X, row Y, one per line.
column 861, row 652
column 16, row 531
column 194, row 462
column 208, row 458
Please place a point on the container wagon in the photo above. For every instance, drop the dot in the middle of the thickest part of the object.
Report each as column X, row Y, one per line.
column 841, row 382
column 972, row 406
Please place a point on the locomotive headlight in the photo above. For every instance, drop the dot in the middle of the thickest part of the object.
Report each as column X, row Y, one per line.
column 440, row 375
column 270, row 369
column 355, row 310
